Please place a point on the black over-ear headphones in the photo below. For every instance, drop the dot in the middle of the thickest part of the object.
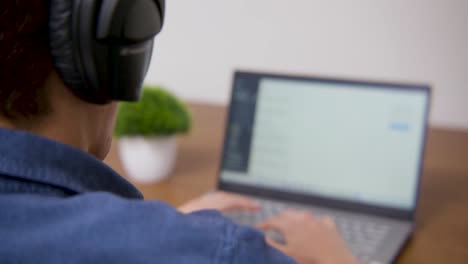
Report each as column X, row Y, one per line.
column 102, row 48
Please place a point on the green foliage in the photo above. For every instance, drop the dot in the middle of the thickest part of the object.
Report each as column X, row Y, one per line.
column 158, row 113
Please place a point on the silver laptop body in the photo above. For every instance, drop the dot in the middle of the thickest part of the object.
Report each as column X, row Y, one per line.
column 352, row 150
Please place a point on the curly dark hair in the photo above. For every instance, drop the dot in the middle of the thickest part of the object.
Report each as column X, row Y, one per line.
column 25, row 61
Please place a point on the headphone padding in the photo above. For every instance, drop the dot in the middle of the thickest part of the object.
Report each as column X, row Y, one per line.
column 61, row 43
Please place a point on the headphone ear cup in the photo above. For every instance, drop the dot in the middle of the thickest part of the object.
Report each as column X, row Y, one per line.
column 99, row 72
column 61, row 43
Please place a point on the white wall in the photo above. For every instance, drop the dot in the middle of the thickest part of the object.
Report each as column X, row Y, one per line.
column 402, row 40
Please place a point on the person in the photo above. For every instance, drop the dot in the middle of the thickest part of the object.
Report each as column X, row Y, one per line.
column 59, row 203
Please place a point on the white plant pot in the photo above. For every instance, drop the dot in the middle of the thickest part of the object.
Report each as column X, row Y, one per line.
column 148, row 160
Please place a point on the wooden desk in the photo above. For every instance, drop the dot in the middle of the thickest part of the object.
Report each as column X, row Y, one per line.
column 442, row 225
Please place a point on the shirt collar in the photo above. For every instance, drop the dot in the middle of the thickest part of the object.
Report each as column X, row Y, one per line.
column 26, row 156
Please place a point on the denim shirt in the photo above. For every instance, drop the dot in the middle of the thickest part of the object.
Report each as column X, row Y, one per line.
column 61, row 205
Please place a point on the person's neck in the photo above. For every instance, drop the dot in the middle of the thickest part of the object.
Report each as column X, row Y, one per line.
column 53, row 128
column 66, row 121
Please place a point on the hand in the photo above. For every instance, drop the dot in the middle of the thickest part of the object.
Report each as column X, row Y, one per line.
column 221, row 201
column 308, row 239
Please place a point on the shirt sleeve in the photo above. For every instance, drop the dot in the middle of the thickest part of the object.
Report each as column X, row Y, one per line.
column 103, row 228
column 242, row 244
column 251, row 247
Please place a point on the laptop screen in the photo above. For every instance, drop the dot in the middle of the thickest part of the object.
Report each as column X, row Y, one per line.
column 349, row 141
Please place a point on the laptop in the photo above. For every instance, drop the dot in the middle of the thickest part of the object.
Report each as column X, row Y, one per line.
column 351, row 150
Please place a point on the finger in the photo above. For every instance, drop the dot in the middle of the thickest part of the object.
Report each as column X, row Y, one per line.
column 240, row 203
column 231, row 195
column 278, row 224
column 296, row 215
column 328, row 221
column 225, row 201
column 237, row 196
column 276, row 245
column 281, row 222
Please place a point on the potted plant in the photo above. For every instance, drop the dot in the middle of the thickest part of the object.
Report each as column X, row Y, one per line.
column 147, row 131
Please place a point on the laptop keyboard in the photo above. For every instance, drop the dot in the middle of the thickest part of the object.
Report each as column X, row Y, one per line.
column 362, row 235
